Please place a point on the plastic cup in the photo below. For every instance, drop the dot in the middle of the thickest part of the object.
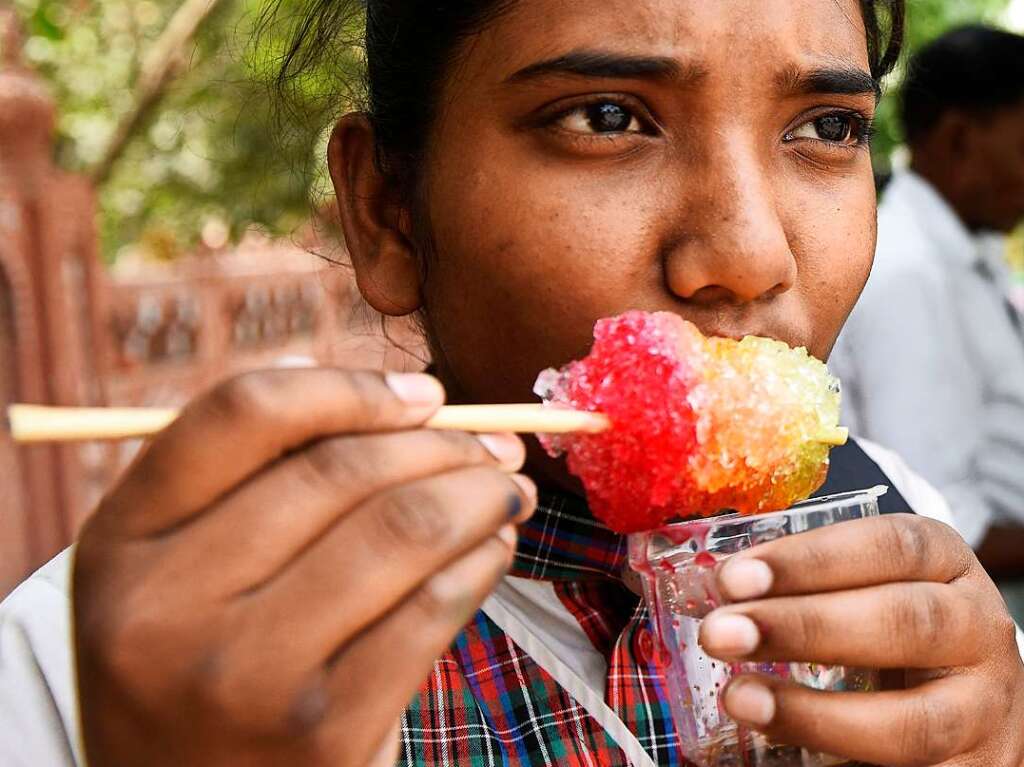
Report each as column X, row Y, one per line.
column 677, row 565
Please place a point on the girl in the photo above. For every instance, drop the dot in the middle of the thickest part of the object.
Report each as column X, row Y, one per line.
column 293, row 573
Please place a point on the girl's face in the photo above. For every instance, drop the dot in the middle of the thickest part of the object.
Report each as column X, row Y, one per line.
column 704, row 158
column 708, row 159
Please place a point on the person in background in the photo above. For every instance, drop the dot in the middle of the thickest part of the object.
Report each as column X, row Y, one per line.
column 932, row 359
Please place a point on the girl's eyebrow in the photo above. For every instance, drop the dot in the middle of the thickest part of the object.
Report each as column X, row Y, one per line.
column 839, row 79
column 607, row 64
column 834, row 80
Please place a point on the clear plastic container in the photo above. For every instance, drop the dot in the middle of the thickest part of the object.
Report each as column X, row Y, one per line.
column 677, row 565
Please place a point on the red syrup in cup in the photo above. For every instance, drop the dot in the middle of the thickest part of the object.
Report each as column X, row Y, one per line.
column 705, row 559
column 678, row 535
column 662, row 657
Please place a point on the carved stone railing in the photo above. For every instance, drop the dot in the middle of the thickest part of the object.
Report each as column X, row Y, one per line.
column 173, row 330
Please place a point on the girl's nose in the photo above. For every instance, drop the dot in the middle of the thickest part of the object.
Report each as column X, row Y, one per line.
column 735, row 249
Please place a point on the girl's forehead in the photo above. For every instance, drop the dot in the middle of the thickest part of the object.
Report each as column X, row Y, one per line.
column 715, row 35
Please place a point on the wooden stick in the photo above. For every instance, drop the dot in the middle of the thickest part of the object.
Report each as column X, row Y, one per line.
column 36, row 423
column 31, row 424
column 524, row 419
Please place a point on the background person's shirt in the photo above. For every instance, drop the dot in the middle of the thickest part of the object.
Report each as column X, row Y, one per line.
column 932, row 359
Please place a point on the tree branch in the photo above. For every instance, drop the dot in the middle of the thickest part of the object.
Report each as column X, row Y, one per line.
column 158, row 69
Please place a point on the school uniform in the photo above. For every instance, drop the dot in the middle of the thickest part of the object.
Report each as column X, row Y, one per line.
column 555, row 669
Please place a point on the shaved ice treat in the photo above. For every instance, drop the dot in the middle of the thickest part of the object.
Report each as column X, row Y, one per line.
column 699, row 425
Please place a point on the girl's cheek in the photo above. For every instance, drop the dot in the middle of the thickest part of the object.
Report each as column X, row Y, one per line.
column 831, row 233
column 543, row 229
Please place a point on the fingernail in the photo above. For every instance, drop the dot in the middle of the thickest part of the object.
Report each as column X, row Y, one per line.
column 729, row 635
column 750, row 702
column 525, row 510
column 417, row 390
column 509, row 535
column 507, row 448
column 746, row 578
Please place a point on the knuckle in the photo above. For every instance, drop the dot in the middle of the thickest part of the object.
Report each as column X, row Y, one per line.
column 962, row 558
column 435, row 597
column 1006, row 698
column 815, row 559
column 932, row 616
column 126, row 646
column 413, row 517
column 370, row 394
column 454, row 593
column 1004, row 628
column 223, row 684
column 809, row 627
column 331, row 465
column 496, row 486
column 495, row 561
column 497, row 497
column 928, row 731
column 464, row 448
column 121, row 622
column 245, row 395
column 917, row 617
column 221, row 692
column 906, row 542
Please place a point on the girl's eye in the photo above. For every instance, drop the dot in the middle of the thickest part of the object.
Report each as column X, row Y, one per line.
column 600, row 118
column 837, row 128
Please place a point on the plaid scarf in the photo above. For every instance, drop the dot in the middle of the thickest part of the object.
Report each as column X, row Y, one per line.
column 487, row 703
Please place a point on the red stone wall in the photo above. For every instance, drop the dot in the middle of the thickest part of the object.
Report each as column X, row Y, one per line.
column 45, row 228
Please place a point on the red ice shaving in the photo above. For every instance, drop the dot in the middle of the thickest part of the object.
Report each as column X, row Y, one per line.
column 699, row 424
column 635, row 376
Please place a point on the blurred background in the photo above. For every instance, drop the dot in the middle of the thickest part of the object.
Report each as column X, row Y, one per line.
column 165, row 224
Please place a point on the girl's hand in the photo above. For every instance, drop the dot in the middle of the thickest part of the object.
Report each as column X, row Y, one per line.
column 895, row 592
column 275, row 576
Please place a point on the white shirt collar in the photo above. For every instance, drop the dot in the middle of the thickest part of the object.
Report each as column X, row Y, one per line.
column 937, row 219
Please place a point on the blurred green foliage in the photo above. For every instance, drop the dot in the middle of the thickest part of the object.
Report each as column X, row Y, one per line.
column 217, row 155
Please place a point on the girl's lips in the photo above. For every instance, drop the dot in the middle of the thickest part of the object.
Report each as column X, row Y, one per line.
column 740, row 325
column 792, row 339
column 740, row 322
column 736, row 335
column 739, row 334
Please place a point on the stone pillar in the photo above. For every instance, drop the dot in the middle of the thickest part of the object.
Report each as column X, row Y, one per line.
column 50, row 282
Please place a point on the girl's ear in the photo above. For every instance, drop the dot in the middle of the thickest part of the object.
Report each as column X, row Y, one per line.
column 376, row 226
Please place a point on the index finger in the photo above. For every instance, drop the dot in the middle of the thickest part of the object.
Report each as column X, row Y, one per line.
column 848, row 555
column 252, row 420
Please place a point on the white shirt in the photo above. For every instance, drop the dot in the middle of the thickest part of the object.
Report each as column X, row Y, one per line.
column 38, row 703
column 931, row 363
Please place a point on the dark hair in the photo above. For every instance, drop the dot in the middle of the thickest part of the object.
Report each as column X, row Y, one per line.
column 975, row 69
column 410, row 45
